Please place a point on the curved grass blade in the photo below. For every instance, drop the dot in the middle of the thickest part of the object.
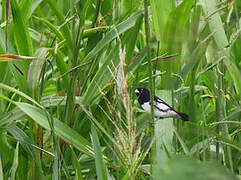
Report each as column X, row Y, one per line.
column 114, row 33
column 102, row 77
column 61, row 129
column 65, row 30
column 34, row 72
column 4, row 86
column 35, row 4
column 52, row 28
column 21, row 137
column 11, row 57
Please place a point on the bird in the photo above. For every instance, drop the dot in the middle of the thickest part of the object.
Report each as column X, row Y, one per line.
column 161, row 108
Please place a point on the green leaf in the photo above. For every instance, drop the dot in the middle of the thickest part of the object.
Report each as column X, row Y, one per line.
column 175, row 26
column 15, row 162
column 103, row 76
column 2, row 43
column 34, row 72
column 173, row 37
column 99, row 160
column 113, row 33
column 63, row 67
column 21, row 137
column 188, row 169
column 63, row 131
column 131, row 38
column 25, row 7
column 51, row 27
column 35, row 4
column 78, row 174
column 217, row 28
column 65, row 29
column 12, row 115
column 4, row 86
column 181, row 141
column 133, row 66
column 21, row 33
column 160, row 12
column 1, row 169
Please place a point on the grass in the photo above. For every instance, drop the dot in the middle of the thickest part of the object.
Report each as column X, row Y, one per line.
column 71, row 113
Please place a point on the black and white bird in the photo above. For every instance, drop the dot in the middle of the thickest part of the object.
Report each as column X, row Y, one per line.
column 161, row 108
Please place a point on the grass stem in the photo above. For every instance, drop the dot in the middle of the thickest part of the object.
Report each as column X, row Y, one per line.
column 151, row 128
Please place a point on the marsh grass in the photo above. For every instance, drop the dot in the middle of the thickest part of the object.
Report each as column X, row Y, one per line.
column 72, row 113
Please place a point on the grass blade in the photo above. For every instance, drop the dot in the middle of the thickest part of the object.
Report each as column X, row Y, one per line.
column 22, row 37
column 34, row 73
column 15, row 162
column 102, row 77
column 25, row 7
column 1, row 169
column 61, row 130
column 216, row 26
column 114, row 33
column 101, row 169
column 21, row 137
column 161, row 10
column 78, row 174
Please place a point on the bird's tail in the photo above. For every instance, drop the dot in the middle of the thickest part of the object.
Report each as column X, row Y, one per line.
column 183, row 116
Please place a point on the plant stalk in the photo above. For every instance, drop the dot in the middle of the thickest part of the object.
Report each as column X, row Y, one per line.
column 151, row 128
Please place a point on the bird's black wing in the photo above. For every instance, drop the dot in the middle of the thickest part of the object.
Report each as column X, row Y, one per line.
column 162, row 105
column 166, row 108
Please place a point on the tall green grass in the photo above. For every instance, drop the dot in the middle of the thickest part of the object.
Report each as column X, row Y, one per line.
column 72, row 113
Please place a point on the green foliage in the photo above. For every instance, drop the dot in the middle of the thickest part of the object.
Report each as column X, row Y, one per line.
column 72, row 113
column 186, row 168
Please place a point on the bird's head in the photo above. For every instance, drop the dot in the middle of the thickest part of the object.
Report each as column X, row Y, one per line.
column 142, row 94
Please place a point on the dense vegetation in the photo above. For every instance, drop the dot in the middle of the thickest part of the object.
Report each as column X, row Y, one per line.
column 68, row 71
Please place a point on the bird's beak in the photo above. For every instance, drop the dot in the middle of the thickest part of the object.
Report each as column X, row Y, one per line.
column 137, row 92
